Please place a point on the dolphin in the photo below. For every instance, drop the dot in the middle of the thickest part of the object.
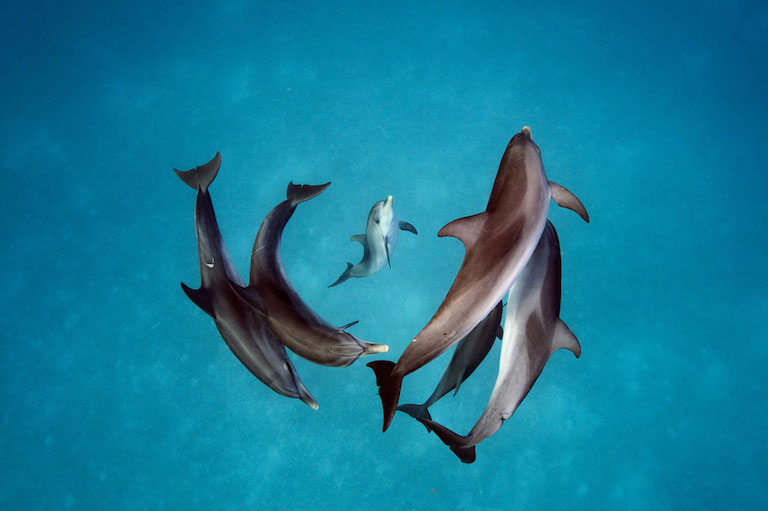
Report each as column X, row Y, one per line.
column 533, row 331
column 470, row 351
column 270, row 292
column 378, row 241
column 242, row 328
column 498, row 244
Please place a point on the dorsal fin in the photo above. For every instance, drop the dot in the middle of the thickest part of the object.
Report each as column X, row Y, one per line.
column 466, row 229
column 565, row 199
column 459, row 381
column 201, row 297
column 564, row 338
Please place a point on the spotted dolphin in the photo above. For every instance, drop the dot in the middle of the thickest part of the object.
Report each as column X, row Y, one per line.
column 470, row 351
column 270, row 292
column 378, row 241
column 242, row 328
column 498, row 244
column 533, row 331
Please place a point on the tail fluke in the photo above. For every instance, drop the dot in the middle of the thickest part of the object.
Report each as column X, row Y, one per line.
column 389, row 388
column 453, row 440
column 301, row 193
column 200, row 178
column 344, row 276
column 417, row 412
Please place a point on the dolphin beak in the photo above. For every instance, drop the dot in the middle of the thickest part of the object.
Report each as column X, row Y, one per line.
column 526, row 131
column 389, row 200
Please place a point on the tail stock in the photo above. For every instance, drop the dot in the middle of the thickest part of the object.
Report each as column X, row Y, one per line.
column 344, row 276
column 417, row 412
column 452, row 440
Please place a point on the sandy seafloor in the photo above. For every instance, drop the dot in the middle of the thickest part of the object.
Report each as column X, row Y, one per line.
column 117, row 393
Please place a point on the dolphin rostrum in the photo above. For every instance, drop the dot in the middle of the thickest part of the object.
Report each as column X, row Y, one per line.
column 470, row 351
column 242, row 328
column 498, row 244
column 533, row 331
column 378, row 241
column 270, row 292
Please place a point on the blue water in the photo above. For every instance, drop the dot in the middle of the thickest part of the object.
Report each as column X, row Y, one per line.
column 118, row 393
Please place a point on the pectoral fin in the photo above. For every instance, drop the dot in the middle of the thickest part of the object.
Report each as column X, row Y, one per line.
column 349, row 325
column 200, row 297
column 467, row 229
column 500, row 332
column 564, row 338
column 360, row 238
column 405, row 226
column 565, row 199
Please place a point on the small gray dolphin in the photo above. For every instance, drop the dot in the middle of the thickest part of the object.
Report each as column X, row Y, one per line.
column 242, row 328
column 470, row 351
column 270, row 292
column 498, row 244
column 533, row 331
column 378, row 241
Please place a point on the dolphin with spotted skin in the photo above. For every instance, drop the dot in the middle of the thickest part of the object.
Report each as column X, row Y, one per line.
column 243, row 329
column 533, row 331
column 498, row 243
column 270, row 292
column 378, row 241
column 470, row 351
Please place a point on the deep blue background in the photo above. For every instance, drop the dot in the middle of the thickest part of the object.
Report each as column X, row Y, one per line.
column 117, row 393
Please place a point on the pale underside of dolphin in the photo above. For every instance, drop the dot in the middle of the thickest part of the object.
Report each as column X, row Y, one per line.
column 379, row 240
column 498, row 244
column 270, row 292
column 533, row 331
column 469, row 353
column 243, row 329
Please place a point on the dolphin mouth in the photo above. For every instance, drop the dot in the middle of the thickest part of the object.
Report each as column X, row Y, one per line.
column 526, row 131
column 389, row 200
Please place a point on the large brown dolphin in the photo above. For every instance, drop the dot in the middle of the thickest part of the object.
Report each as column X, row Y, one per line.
column 498, row 244
column 470, row 351
column 533, row 331
column 271, row 293
column 242, row 328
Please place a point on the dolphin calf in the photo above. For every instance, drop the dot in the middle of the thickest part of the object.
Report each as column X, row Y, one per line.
column 378, row 241
column 270, row 292
column 533, row 331
column 498, row 244
column 470, row 351
column 242, row 328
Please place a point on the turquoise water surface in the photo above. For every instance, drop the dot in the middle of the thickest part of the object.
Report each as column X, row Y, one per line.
column 118, row 393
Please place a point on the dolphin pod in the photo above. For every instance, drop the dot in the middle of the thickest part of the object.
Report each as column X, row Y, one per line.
column 498, row 244
column 510, row 249
column 378, row 242
column 533, row 331
column 242, row 328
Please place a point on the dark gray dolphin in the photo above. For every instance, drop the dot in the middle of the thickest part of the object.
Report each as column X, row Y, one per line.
column 533, row 331
column 242, row 328
column 378, row 241
column 498, row 244
column 470, row 351
column 270, row 292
